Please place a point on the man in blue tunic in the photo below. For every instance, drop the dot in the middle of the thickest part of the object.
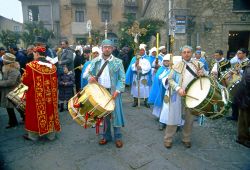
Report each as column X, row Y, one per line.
column 138, row 76
column 113, row 79
column 157, row 91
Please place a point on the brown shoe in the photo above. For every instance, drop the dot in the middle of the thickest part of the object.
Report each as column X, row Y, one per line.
column 103, row 142
column 244, row 143
column 168, row 144
column 118, row 143
column 25, row 136
column 187, row 144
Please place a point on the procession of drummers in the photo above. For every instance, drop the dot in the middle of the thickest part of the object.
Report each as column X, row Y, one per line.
column 177, row 89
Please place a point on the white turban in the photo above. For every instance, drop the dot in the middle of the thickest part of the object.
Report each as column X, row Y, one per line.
column 166, row 57
column 153, row 49
column 142, row 46
column 95, row 49
column 161, row 47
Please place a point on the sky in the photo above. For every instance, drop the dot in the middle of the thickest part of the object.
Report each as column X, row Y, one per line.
column 11, row 9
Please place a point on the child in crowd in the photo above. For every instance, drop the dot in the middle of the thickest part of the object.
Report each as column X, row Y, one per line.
column 66, row 87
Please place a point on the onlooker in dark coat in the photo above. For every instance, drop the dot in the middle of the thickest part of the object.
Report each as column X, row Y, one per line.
column 20, row 57
column 30, row 55
column 66, row 87
column 11, row 78
column 67, row 57
column 123, row 55
column 242, row 100
column 78, row 63
column 2, row 52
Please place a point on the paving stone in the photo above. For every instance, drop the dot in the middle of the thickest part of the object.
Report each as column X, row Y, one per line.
column 137, row 155
column 102, row 161
column 160, row 164
column 76, row 148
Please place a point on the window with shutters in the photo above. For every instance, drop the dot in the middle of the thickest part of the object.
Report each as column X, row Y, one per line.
column 105, row 15
column 79, row 14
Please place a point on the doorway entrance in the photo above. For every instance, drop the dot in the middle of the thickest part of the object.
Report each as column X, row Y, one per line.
column 237, row 40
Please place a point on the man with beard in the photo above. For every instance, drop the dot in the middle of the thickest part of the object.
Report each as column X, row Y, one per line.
column 113, row 79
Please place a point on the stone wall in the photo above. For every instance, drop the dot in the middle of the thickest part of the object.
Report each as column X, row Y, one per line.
column 157, row 9
column 213, row 21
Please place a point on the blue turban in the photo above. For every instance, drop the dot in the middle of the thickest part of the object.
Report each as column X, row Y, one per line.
column 107, row 42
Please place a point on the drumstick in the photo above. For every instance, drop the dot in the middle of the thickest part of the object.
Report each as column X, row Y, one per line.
column 78, row 67
column 200, row 77
column 108, row 102
column 192, row 97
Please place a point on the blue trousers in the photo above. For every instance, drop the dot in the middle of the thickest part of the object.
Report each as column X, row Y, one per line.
column 107, row 130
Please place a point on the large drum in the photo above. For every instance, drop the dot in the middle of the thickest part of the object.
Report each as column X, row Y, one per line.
column 230, row 79
column 91, row 105
column 206, row 96
column 18, row 97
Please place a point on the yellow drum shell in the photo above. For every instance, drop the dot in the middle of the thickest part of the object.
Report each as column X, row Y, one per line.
column 93, row 98
column 16, row 96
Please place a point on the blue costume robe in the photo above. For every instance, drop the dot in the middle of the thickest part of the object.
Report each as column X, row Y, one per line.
column 203, row 60
column 157, row 91
column 130, row 72
column 152, row 59
column 84, row 81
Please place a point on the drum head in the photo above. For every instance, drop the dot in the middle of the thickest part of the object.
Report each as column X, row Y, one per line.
column 194, row 90
column 100, row 96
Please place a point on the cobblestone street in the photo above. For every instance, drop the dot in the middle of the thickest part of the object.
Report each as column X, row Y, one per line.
column 213, row 146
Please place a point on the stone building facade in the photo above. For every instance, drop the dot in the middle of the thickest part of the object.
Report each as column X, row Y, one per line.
column 223, row 24
column 46, row 11
column 220, row 25
column 68, row 18
column 76, row 13
column 10, row 24
column 157, row 9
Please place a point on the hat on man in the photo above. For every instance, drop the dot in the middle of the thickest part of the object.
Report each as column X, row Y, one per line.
column 95, row 49
column 14, row 47
column 153, row 49
column 9, row 58
column 107, row 42
column 198, row 52
column 39, row 49
column 142, row 46
column 161, row 47
column 166, row 57
column 78, row 47
column 2, row 49
column 198, row 47
column 39, row 40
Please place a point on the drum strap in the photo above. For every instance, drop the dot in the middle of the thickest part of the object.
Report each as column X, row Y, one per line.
column 191, row 71
column 101, row 70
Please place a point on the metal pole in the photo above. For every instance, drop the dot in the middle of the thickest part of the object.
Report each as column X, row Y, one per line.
column 106, row 29
column 52, row 16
